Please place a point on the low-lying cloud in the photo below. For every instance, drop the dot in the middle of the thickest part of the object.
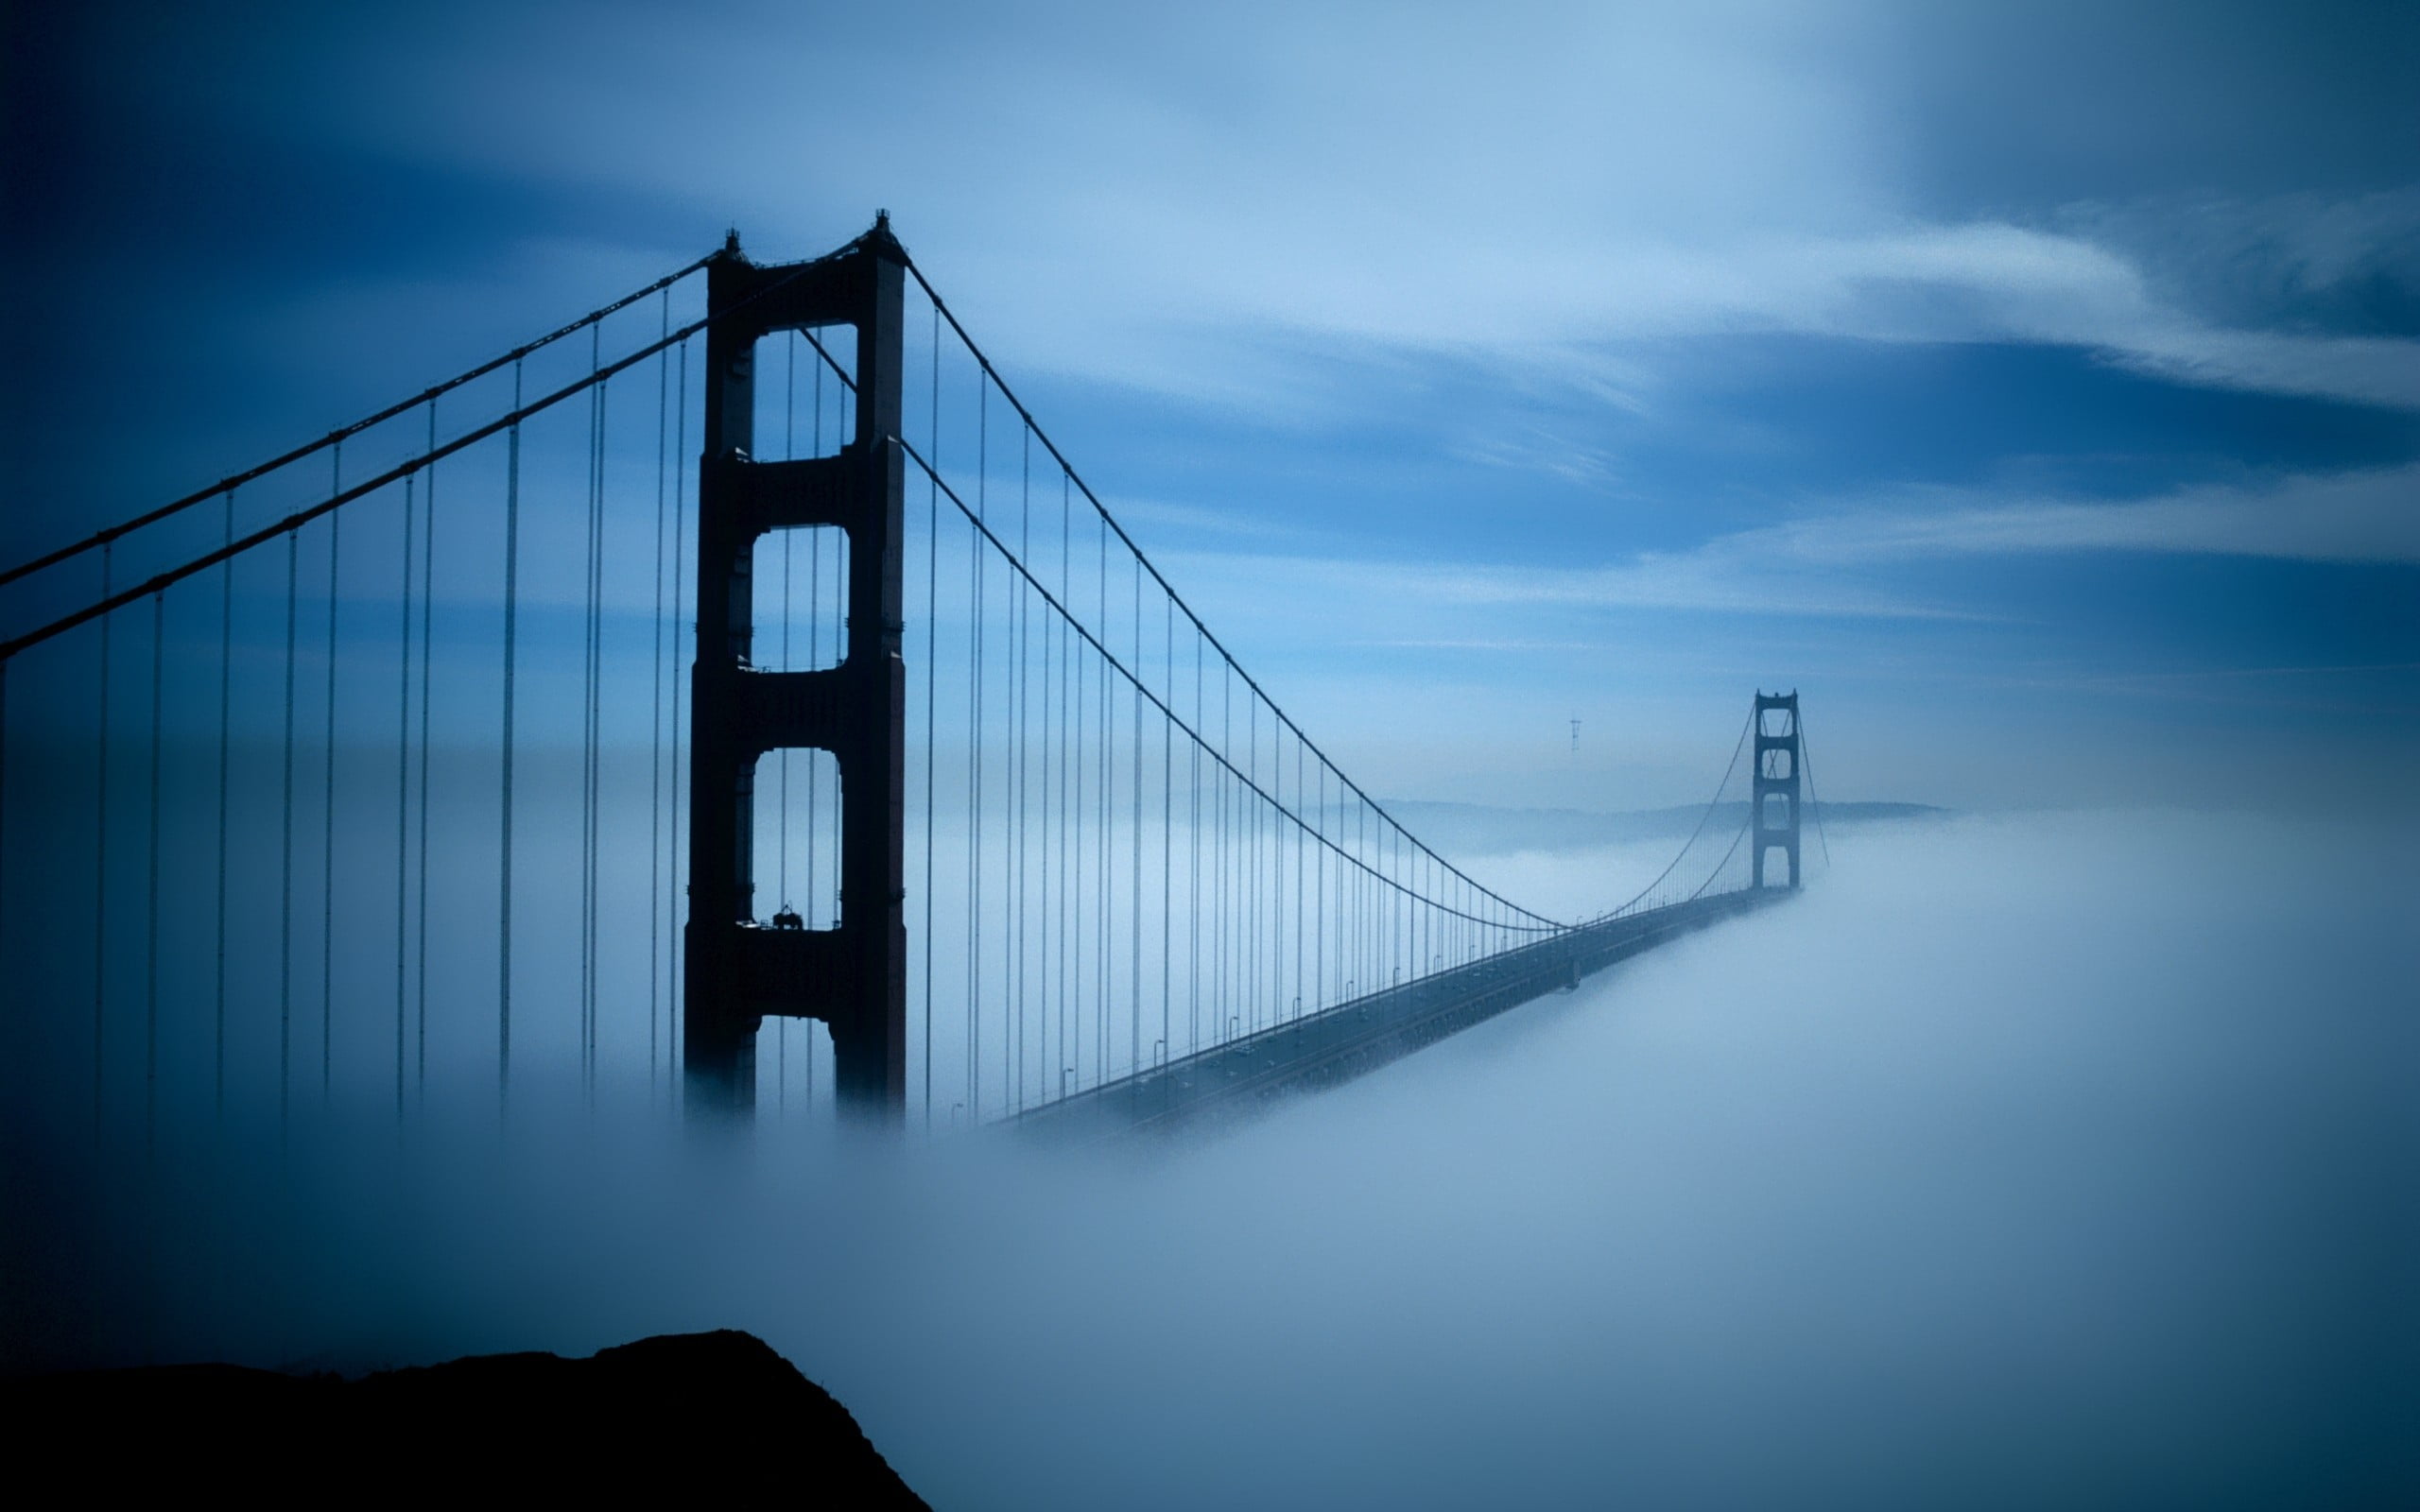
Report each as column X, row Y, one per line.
column 2020, row 1160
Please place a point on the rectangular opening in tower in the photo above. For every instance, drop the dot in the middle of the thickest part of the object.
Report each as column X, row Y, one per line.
column 794, row 1071
column 1777, row 861
column 1776, row 811
column 1774, row 764
column 796, row 857
column 800, row 580
column 1779, row 719
column 804, row 407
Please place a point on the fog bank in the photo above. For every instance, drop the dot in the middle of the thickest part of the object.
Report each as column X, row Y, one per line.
column 2058, row 1159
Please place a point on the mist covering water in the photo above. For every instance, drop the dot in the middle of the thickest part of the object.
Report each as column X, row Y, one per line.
column 2055, row 1160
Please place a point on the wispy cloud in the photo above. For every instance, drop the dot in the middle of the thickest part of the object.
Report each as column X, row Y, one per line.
column 2364, row 516
column 1439, row 604
column 1847, row 562
column 1159, row 198
column 1163, row 516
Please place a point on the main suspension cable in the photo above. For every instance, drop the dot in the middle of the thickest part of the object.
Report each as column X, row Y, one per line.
column 1711, row 805
column 1814, row 805
column 1111, row 659
column 510, row 422
column 1736, row 838
column 943, row 312
column 334, row 437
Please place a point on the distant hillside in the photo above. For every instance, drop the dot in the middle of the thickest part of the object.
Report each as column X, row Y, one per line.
column 1479, row 828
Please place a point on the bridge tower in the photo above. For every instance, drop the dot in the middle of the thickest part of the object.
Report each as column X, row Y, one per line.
column 852, row 976
column 1773, row 824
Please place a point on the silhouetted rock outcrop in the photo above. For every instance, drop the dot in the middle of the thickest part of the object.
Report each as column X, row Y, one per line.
column 708, row 1414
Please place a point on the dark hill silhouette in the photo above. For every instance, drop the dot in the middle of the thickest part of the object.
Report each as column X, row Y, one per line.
column 711, row 1415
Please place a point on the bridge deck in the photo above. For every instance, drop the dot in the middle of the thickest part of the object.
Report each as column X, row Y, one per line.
column 1339, row 1044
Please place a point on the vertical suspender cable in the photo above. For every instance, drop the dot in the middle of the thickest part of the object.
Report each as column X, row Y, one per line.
column 1134, row 880
column 655, row 710
column 673, row 1003
column 151, row 897
column 504, row 866
column 101, row 861
column 588, row 721
column 1065, row 754
column 1813, row 805
column 1022, row 604
column 975, row 766
column 1108, row 793
column 226, row 688
column 1167, row 831
column 285, row 853
column 1298, row 882
column 1284, row 896
column 587, row 733
column 1253, row 889
column 1108, row 812
column 932, row 664
column 1273, row 817
column 1079, row 752
column 1221, row 1021
column 1045, row 984
column 593, row 771
column 1080, row 838
column 402, row 796
column 654, row 720
column 1360, row 977
column 1012, row 835
column 1289, row 905
column 1221, row 1018
column 328, row 808
column 1193, row 867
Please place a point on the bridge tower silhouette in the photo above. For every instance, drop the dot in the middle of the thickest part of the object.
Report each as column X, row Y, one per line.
column 853, row 974
column 1774, row 822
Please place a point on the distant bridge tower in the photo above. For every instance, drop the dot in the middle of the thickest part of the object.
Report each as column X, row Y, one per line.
column 1774, row 823
column 852, row 977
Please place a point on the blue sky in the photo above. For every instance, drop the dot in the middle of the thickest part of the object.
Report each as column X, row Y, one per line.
column 2037, row 387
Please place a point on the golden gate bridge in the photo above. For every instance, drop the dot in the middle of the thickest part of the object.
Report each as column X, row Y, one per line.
column 736, row 697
